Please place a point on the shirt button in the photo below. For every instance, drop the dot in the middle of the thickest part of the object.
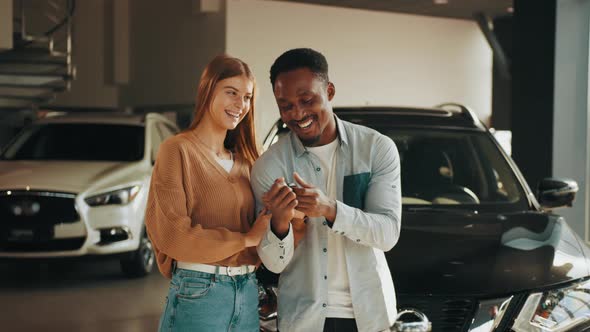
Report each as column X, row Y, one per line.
column 324, row 305
column 325, row 223
column 325, row 277
column 318, row 169
column 357, row 240
column 325, row 250
column 281, row 257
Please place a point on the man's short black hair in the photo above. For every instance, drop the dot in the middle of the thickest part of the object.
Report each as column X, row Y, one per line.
column 300, row 58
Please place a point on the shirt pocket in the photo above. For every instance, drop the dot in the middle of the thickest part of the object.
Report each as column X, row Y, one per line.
column 355, row 189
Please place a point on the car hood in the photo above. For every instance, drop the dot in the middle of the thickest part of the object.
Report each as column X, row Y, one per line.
column 451, row 253
column 63, row 176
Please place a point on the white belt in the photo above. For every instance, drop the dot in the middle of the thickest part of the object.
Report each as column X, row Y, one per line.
column 223, row 270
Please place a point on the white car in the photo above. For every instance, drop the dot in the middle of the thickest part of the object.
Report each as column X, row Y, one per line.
column 75, row 185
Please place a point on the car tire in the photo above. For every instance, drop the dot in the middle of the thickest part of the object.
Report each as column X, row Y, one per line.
column 141, row 261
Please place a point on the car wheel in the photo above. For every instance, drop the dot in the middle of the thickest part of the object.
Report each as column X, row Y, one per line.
column 141, row 261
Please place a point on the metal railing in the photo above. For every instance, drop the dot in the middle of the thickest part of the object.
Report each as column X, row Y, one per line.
column 44, row 22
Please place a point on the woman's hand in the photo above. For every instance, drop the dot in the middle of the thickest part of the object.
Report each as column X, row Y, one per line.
column 258, row 229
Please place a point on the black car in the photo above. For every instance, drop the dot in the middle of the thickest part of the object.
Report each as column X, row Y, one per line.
column 478, row 251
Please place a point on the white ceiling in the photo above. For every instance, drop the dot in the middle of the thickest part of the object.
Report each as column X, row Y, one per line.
column 461, row 9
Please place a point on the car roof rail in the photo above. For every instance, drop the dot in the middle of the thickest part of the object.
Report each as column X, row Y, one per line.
column 41, row 114
column 464, row 110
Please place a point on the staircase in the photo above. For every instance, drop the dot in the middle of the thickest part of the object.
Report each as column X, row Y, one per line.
column 40, row 63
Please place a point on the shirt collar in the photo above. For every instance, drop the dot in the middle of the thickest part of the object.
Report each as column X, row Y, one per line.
column 300, row 149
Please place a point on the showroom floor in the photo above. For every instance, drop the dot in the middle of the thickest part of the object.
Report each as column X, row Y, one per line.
column 78, row 296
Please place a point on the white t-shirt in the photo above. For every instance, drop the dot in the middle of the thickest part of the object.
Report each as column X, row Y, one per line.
column 339, row 300
column 227, row 164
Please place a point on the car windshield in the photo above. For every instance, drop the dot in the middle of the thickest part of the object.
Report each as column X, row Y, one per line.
column 78, row 141
column 449, row 168
column 452, row 167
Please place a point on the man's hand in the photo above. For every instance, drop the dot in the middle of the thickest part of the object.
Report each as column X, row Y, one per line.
column 281, row 201
column 313, row 202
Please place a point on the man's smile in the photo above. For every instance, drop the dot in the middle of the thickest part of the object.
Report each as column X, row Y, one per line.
column 304, row 123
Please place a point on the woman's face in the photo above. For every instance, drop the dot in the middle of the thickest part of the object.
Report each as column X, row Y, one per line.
column 231, row 101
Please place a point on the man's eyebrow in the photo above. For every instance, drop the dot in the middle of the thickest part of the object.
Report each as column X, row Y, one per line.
column 303, row 91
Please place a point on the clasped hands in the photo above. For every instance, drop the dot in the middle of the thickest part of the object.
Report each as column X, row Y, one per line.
column 287, row 203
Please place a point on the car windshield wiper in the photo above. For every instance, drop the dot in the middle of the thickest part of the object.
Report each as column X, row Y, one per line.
column 431, row 208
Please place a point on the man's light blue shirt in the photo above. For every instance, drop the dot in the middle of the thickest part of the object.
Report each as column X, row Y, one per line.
column 368, row 216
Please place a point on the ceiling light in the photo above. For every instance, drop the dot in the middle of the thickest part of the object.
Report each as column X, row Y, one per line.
column 510, row 9
column 441, row 2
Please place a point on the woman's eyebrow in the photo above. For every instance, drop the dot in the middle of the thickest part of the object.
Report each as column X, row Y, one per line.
column 234, row 88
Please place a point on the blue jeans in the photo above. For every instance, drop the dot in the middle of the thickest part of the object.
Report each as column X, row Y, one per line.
column 199, row 301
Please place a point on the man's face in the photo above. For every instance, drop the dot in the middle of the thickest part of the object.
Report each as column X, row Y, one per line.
column 304, row 103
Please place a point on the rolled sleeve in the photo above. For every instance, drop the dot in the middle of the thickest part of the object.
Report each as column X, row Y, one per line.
column 276, row 253
column 378, row 225
column 369, row 229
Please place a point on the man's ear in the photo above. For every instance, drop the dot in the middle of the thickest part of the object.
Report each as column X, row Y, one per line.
column 331, row 91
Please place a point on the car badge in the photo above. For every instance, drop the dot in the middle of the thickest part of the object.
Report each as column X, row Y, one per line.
column 25, row 209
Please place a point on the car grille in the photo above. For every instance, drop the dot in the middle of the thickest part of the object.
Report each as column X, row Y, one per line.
column 27, row 220
column 37, row 208
column 42, row 246
column 446, row 314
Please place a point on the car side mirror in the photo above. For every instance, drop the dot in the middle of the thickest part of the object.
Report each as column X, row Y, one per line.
column 554, row 193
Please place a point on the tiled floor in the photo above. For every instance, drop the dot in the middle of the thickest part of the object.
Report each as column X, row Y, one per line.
column 78, row 296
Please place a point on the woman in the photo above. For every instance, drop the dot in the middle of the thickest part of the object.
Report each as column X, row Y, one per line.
column 200, row 213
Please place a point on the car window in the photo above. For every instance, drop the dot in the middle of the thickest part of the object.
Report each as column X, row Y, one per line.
column 453, row 167
column 78, row 141
column 276, row 132
column 448, row 167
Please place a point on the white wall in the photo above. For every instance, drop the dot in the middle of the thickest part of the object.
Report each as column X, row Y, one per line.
column 571, row 123
column 90, row 88
column 171, row 43
column 375, row 58
column 141, row 52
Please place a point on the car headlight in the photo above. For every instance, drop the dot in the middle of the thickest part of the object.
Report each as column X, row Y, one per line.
column 121, row 196
column 555, row 310
column 489, row 314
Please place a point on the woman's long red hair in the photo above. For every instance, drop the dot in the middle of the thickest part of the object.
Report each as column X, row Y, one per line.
column 242, row 139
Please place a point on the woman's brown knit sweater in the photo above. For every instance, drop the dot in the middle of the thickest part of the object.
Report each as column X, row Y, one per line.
column 196, row 211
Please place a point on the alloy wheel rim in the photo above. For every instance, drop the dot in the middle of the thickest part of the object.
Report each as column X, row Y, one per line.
column 146, row 252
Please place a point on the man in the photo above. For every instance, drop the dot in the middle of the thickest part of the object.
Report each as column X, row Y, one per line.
column 334, row 275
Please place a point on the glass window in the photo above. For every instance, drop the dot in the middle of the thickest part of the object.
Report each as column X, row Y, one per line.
column 449, row 167
column 78, row 141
